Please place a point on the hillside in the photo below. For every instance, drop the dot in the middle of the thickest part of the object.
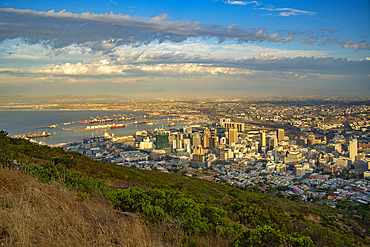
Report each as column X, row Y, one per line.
column 33, row 213
column 175, row 210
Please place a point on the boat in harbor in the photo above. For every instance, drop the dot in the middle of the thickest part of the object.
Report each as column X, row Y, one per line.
column 136, row 122
column 38, row 135
column 95, row 127
column 117, row 126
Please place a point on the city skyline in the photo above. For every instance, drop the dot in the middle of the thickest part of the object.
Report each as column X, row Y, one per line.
column 192, row 48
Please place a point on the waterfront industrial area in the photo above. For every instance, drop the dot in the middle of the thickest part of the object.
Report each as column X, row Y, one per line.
column 301, row 149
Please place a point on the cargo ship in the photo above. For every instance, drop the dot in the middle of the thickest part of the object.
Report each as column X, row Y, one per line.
column 97, row 120
column 37, row 135
column 117, row 126
column 96, row 127
column 136, row 122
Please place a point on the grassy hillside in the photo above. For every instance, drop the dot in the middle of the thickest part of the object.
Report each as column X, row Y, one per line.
column 33, row 213
column 183, row 211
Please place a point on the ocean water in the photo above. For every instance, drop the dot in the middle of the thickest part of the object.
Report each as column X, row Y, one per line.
column 23, row 122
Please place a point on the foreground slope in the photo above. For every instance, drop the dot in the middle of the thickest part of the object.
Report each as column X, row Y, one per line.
column 33, row 213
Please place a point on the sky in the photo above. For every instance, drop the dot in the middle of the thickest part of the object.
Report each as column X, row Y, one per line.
column 190, row 48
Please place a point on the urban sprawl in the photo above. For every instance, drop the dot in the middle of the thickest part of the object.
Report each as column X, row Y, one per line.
column 309, row 152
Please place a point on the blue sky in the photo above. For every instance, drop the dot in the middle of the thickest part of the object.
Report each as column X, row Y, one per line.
column 184, row 48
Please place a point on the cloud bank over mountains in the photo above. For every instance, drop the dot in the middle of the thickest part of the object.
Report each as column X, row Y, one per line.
column 181, row 65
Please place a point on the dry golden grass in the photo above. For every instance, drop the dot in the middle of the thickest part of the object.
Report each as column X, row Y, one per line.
column 38, row 214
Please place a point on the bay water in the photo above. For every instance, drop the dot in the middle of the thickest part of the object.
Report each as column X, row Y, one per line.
column 23, row 122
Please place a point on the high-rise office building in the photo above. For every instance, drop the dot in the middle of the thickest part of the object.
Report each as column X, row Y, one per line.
column 263, row 138
column 177, row 141
column 273, row 142
column 233, row 135
column 162, row 141
column 196, row 139
column 206, row 138
column 352, row 148
column 280, row 135
column 213, row 141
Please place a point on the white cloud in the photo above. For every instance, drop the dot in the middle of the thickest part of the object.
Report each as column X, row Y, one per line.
column 102, row 67
column 256, row 3
column 158, row 69
column 205, row 49
column 288, row 11
column 193, row 69
column 269, row 7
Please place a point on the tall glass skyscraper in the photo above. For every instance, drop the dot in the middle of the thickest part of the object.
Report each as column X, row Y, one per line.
column 162, row 140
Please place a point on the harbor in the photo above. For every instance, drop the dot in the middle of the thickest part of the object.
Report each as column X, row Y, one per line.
column 73, row 126
column 39, row 134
